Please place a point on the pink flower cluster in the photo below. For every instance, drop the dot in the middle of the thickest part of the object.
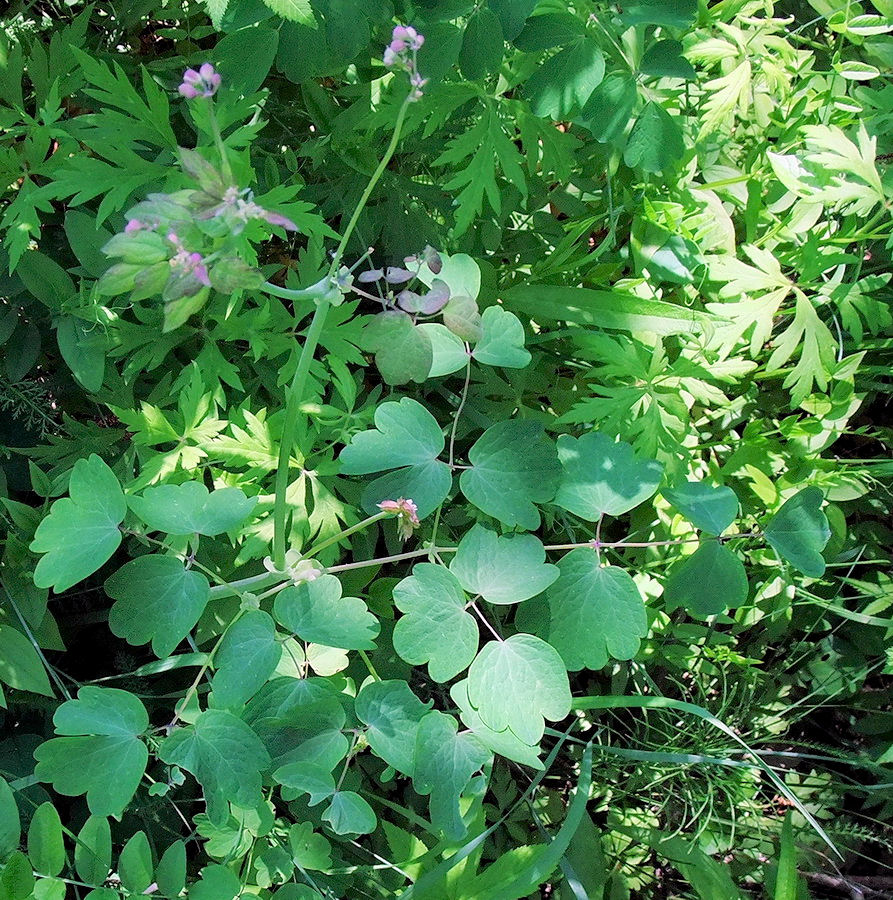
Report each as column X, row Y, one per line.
column 203, row 83
column 238, row 207
column 401, row 54
column 188, row 265
column 407, row 514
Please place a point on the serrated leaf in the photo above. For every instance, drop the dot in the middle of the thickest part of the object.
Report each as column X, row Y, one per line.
column 502, row 340
column 225, row 756
column 81, row 532
column 190, row 508
column 656, row 141
column 506, row 743
column 513, row 466
column 104, row 724
column 435, row 627
column 799, row 531
column 502, row 569
column 445, row 762
column 391, row 713
column 565, row 81
column 294, row 10
column 157, row 599
column 597, row 612
column 20, row 664
column 45, row 847
column 349, row 813
column 517, row 683
column 710, row 508
column 603, row 477
column 316, row 611
column 708, row 582
column 246, row 658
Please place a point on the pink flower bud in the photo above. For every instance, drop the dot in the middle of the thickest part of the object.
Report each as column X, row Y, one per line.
column 389, row 58
column 188, row 91
column 406, row 512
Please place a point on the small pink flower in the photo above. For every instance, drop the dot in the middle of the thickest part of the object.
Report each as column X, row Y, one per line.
column 203, row 83
column 407, row 514
column 134, row 225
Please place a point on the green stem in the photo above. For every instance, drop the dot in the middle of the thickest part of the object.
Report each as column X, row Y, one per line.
column 218, row 142
column 347, row 533
column 299, row 382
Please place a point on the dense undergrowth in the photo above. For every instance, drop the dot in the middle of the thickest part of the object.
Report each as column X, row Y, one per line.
column 446, row 461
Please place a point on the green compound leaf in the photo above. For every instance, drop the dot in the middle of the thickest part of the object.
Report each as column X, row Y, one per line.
column 597, row 612
column 104, row 724
column 445, row 762
column 316, row 611
column 655, row 142
column 405, row 434
column 349, row 813
column 190, row 508
column 225, row 756
column 602, row 477
column 45, row 847
column 799, row 531
column 435, row 628
column 246, row 658
column 157, row 599
column 81, row 532
column 708, row 582
column 517, row 683
column 505, row 742
column 20, row 665
column 514, row 465
column 565, row 81
column 391, row 712
column 712, row 509
column 502, row 569
column 502, row 340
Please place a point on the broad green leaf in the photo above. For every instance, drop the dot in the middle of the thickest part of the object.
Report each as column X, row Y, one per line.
column 225, row 756
column 664, row 59
column 516, row 684
column 502, row 569
column 49, row 889
column 294, row 10
column 547, row 30
column 20, row 664
column 104, row 724
column 506, row 743
column 246, row 658
column 405, row 434
column 93, row 850
column 10, row 823
column 157, row 599
column 565, row 81
column 426, row 484
column 603, row 309
column 244, row 57
column 316, row 611
column 710, row 508
column 445, row 761
column 482, row 45
column 708, row 582
column 190, row 508
column 603, row 477
column 83, row 351
column 135, row 864
column 514, row 465
column 462, row 319
column 609, row 108
column 81, row 531
column 307, row 778
column 675, row 13
column 170, row 873
column 502, row 340
column 656, row 141
column 392, row 714
column 460, row 273
column 435, row 627
column 217, row 883
column 45, row 847
column 309, row 850
column 799, row 531
column 402, row 350
column 597, row 612
column 17, row 878
column 349, row 813
column 512, row 14
column 450, row 354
